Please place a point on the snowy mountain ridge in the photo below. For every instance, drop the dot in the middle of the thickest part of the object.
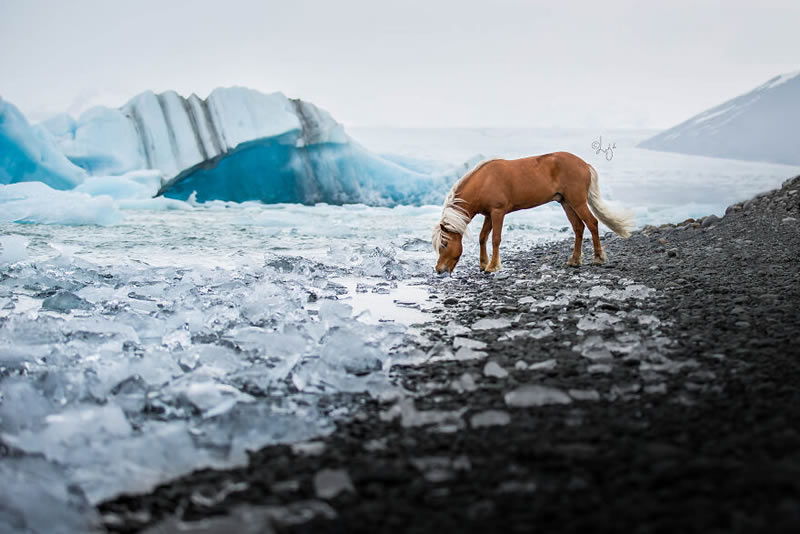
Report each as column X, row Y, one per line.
column 761, row 125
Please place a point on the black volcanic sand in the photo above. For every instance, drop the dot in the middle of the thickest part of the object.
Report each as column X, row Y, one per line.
column 657, row 393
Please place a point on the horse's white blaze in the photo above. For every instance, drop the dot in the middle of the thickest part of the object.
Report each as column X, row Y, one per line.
column 454, row 217
column 620, row 222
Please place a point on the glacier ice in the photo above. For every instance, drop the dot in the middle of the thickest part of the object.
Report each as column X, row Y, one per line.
column 275, row 170
column 28, row 154
column 170, row 133
column 36, row 202
column 236, row 145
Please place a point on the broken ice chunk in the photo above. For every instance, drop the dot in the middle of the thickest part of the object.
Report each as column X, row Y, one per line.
column 464, row 383
column 493, row 369
column 441, row 468
column 459, row 342
column 545, row 365
column 466, row 353
column 212, row 398
column 599, row 369
column 598, row 291
column 632, row 291
column 22, row 405
column 490, row 324
column 597, row 321
column 64, row 302
column 539, row 333
column 512, row 334
column 490, row 418
column 12, row 249
column 594, row 348
column 347, row 349
column 584, row 394
column 410, row 416
column 37, row 496
column 648, row 320
column 535, row 395
column 328, row 483
column 308, row 448
column 73, row 430
column 455, row 329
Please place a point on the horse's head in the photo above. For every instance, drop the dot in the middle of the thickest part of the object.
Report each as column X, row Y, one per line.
column 449, row 248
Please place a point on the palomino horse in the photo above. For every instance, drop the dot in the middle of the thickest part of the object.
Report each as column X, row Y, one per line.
column 496, row 187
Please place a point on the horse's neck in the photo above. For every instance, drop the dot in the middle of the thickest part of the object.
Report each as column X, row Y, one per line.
column 464, row 204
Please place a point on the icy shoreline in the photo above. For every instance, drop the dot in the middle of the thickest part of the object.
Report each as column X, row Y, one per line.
column 119, row 376
column 663, row 385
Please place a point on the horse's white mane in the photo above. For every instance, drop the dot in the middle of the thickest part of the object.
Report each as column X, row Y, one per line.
column 454, row 218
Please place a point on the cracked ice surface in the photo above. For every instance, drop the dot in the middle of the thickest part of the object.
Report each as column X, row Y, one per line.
column 131, row 355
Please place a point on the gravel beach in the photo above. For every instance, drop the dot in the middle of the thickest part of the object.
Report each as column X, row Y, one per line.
column 659, row 392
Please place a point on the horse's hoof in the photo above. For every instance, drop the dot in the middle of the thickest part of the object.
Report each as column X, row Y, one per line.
column 493, row 269
column 483, row 266
column 573, row 263
column 599, row 260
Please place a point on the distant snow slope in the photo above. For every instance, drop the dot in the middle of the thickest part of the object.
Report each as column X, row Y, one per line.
column 28, row 154
column 762, row 125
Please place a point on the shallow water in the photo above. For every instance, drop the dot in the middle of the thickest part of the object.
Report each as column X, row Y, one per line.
column 215, row 329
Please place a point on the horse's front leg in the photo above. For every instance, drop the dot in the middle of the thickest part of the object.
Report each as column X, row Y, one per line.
column 487, row 227
column 497, row 230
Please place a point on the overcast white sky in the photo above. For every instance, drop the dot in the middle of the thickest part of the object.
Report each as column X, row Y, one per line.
column 603, row 63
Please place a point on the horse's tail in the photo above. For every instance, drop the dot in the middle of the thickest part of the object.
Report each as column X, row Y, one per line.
column 620, row 222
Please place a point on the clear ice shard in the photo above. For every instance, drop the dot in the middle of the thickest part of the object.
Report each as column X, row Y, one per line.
column 37, row 497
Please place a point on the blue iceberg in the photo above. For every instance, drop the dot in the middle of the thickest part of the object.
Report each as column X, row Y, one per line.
column 276, row 170
column 235, row 145
column 29, row 154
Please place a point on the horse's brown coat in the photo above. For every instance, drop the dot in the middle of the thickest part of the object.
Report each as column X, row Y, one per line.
column 503, row 186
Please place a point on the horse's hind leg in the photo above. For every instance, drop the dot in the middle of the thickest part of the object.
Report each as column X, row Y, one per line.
column 487, row 227
column 590, row 220
column 577, row 227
